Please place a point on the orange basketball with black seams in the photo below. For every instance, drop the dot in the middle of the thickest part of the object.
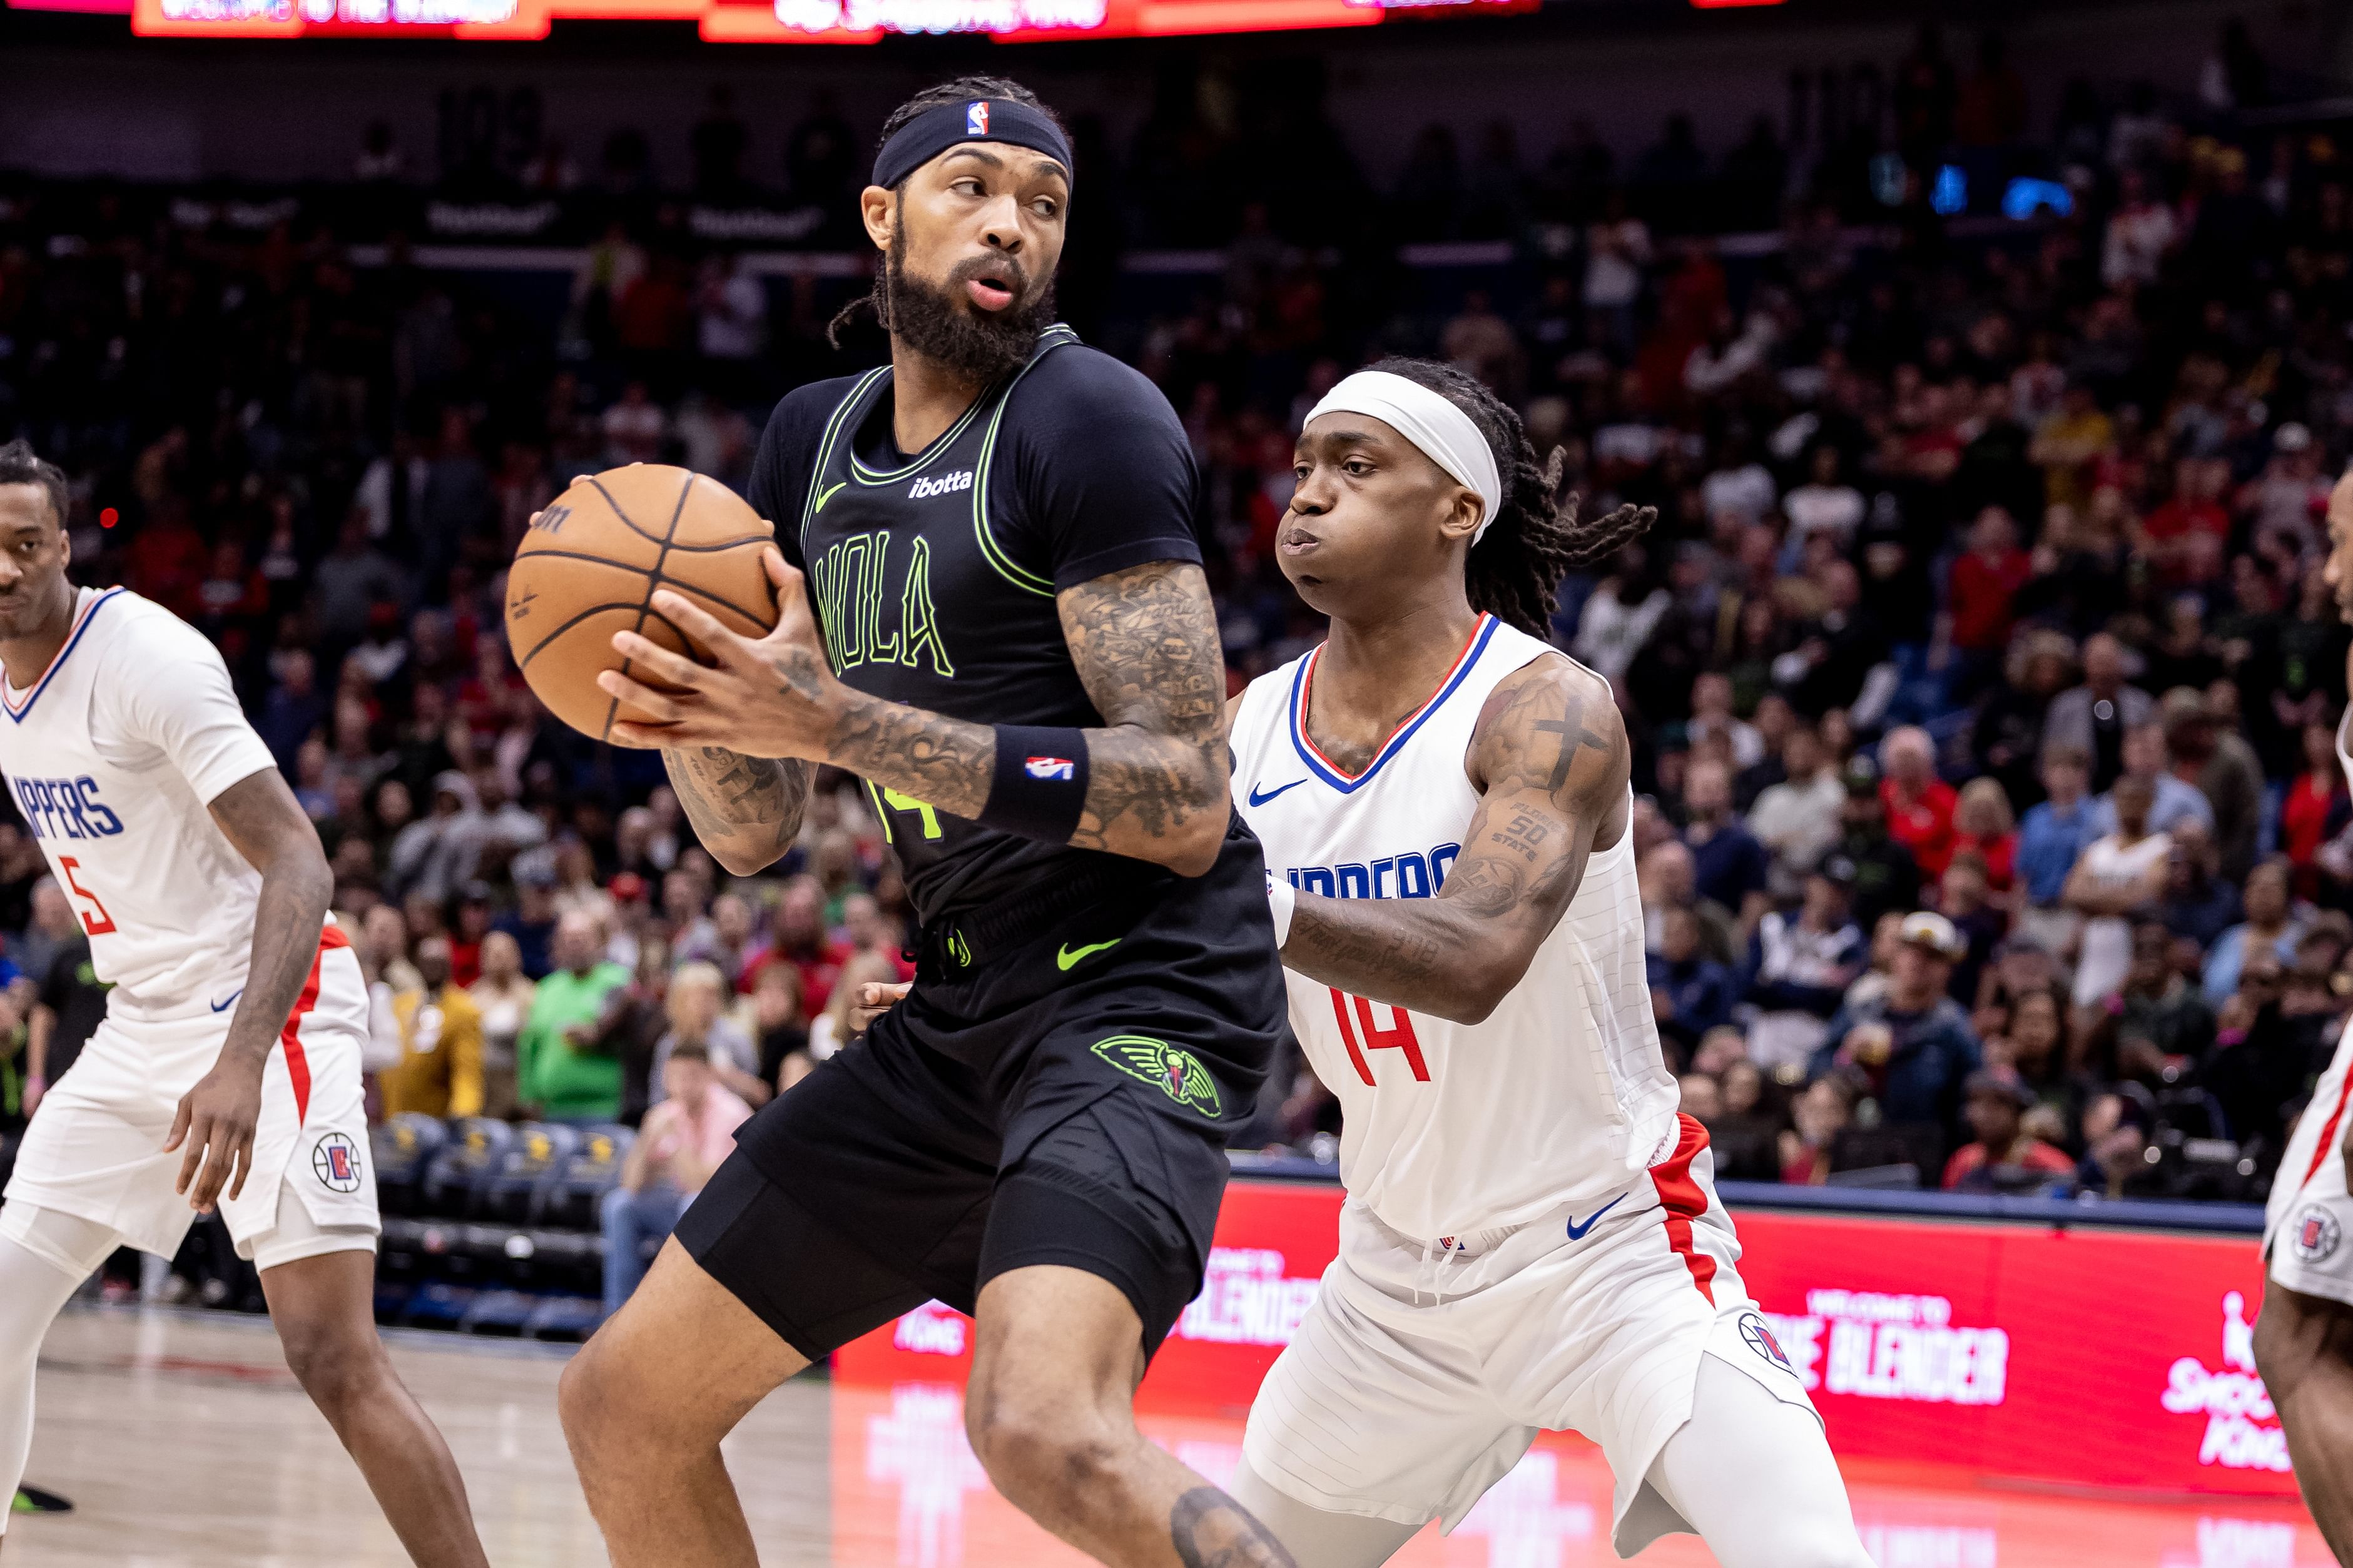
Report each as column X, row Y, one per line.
column 589, row 567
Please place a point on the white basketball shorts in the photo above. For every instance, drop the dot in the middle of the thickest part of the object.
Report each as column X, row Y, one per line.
column 2308, row 1223
column 95, row 1147
column 1425, row 1369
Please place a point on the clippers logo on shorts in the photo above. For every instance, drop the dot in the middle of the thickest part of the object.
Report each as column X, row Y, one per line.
column 1756, row 1336
column 65, row 808
column 335, row 1161
column 2316, row 1234
column 1177, row 1073
column 946, row 484
column 976, row 119
column 1061, row 768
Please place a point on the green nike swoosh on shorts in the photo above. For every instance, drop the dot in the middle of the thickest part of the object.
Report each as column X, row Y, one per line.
column 1069, row 956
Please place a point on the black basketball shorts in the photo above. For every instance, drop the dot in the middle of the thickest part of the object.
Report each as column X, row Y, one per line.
column 1058, row 1088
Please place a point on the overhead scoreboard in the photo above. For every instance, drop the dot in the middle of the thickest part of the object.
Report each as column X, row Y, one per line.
column 764, row 21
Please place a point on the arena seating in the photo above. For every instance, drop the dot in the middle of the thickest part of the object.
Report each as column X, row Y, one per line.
column 491, row 1229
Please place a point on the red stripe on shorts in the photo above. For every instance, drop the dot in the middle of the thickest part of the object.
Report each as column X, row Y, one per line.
column 2327, row 1133
column 1685, row 1201
column 297, row 1064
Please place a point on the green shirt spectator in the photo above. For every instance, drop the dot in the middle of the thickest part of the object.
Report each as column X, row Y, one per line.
column 558, row 1072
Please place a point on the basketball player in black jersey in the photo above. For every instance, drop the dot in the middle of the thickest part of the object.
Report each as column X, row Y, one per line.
column 993, row 612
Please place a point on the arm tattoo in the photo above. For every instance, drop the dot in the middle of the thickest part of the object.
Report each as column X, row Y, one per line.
column 1145, row 645
column 1545, row 801
column 1210, row 1530
column 749, row 807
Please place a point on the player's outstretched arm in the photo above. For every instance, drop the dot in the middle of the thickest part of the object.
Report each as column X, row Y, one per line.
column 1552, row 754
column 747, row 810
column 1145, row 644
column 261, row 818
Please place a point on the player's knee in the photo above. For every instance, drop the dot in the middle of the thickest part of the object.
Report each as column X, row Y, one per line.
column 338, row 1366
column 591, row 1404
column 1043, row 1453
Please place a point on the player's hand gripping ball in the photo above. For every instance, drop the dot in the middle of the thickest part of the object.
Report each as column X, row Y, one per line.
column 591, row 565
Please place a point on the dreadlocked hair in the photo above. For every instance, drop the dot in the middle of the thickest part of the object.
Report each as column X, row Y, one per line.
column 1534, row 538
column 956, row 90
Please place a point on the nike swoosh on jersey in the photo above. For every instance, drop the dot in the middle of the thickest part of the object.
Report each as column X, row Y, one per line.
column 1068, row 956
column 825, row 495
column 224, row 1006
column 1258, row 799
column 1576, row 1232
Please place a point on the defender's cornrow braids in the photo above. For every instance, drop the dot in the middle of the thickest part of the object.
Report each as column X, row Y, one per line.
column 1514, row 572
column 958, row 90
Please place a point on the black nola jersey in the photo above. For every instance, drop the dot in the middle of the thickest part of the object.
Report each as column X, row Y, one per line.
column 933, row 575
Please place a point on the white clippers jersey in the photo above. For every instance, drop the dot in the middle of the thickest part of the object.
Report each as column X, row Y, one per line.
column 112, row 756
column 1561, row 1096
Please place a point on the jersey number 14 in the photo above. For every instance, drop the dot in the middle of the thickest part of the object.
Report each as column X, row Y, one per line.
column 1399, row 1036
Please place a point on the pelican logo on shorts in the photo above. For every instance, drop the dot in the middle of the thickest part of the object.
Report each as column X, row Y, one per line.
column 976, row 119
column 1061, row 768
column 946, row 484
column 2316, row 1234
column 1758, row 1337
column 1177, row 1073
column 335, row 1161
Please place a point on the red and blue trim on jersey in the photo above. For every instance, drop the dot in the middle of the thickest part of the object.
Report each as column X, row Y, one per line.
column 289, row 1038
column 1331, row 773
column 19, row 711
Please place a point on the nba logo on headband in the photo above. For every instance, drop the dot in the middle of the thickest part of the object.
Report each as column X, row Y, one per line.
column 976, row 119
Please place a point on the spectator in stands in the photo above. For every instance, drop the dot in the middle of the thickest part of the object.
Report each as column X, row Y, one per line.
column 1981, row 591
column 1983, row 826
column 2171, row 798
column 1886, row 876
column 802, row 939
column 1965, row 897
column 695, row 1005
column 2316, row 808
column 2160, row 1005
column 1690, row 993
column 725, row 943
column 1912, row 1046
column 2093, row 717
column 439, row 1072
column 1819, row 1114
column 2001, row 1155
column 2121, row 874
column 1918, row 804
column 1797, row 820
column 1800, row 968
column 685, row 1138
column 50, row 930
column 837, row 1026
column 1729, row 866
column 502, row 997
column 2223, row 768
column 2274, row 924
column 778, row 1023
column 559, row 1076
column 70, row 1008
column 530, row 921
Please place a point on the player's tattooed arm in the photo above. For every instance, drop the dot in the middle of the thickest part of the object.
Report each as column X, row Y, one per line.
column 1210, row 1530
column 216, row 1120
column 747, row 810
column 1145, row 644
column 1551, row 759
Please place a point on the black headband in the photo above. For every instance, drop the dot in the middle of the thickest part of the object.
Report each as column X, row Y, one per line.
column 934, row 131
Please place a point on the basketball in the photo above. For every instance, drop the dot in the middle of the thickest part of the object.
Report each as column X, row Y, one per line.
column 589, row 566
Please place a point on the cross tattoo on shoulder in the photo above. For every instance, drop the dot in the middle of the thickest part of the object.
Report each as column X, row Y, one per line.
column 1572, row 718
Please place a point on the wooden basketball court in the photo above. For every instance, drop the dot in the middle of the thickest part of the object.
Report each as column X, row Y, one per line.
column 185, row 1444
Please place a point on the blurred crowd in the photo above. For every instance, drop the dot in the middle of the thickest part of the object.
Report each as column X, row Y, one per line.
column 1983, row 678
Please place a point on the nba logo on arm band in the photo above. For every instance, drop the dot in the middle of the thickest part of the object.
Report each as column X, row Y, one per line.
column 1038, row 785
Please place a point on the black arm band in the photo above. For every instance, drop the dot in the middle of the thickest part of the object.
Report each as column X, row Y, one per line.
column 1039, row 787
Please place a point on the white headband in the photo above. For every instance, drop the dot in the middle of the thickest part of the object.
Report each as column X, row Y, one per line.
column 1442, row 432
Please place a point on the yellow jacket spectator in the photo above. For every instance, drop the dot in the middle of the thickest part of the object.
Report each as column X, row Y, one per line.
column 440, row 1068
